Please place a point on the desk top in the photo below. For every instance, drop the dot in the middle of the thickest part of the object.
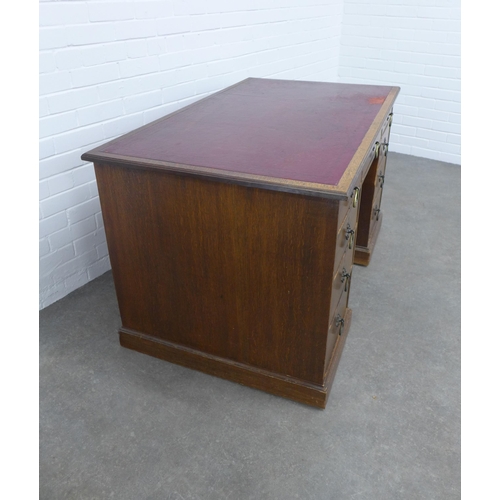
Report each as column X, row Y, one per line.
column 294, row 133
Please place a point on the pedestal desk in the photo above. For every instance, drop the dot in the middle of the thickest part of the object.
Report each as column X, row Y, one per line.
column 233, row 224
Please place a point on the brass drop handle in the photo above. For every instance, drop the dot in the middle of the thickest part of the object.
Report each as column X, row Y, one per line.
column 381, row 178
column 378, row 145
column 349, row 235
column 355, row 197
column 376, row 210
column 345, row 278
column 339, row 321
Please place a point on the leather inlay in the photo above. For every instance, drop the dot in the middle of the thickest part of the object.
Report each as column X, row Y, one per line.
column 301, row 131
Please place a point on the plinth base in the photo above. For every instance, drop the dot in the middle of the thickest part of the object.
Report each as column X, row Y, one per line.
column 280, row 385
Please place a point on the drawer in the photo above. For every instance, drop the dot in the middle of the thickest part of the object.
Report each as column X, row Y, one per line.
column 341, row 282
column 385, row 129
column 377, row 155
column 377, row 201
column 371, row 158
column 336, row 316
column 351, row 203
column 379, row 181
column 383, row 139
column 380, row 177
column 375, row 176
column 335, row 328
column 346, row 238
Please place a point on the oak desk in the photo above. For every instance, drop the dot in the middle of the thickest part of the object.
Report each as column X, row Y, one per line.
column 232, row 226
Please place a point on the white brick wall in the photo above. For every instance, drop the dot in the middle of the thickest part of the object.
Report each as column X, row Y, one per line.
column 414, row 44
column 107, row 67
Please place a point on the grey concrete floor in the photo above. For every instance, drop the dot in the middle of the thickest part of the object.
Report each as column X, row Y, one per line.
column 118, row 424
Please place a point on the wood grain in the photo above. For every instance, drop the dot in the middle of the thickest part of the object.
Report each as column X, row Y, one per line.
column 240, row 273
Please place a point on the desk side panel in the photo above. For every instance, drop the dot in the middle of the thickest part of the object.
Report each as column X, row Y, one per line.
column 236, row 272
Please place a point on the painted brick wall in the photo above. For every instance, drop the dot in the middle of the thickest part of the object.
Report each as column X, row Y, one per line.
column 414, row 44
column 109, row 67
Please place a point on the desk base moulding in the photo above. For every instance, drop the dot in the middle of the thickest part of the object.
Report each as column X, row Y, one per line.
column 279, row 385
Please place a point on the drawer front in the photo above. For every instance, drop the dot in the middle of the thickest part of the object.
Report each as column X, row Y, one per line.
column 377, row 195
column 371, row 157
column 335, row 328
column 346, row 238
column 341, row 282
column 379, row 158
column 380, row 178
column 335, row 324
column 384, row 131
column 384, row 144
column 379, row 147
column 351, row 203
column 377, row 201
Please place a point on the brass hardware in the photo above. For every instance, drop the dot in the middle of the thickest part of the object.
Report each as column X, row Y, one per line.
column 381, row 179
column 349, row 235
column 345, row 277
column 339, row 321
column 355, row 196
column 376, row 210
column 383, row 145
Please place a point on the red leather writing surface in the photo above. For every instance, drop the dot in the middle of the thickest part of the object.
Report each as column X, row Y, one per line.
column 303, row 131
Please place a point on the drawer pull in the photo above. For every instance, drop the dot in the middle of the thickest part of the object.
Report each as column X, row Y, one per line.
column 339, row 321
column 376, row 211
column 349, row 235
column 345, row 277
column 390, row 119
column 381, row 178
column 355, row 197
column 383, row 145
